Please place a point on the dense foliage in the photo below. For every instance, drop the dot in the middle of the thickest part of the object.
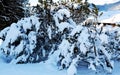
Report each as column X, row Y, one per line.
column 11, row 11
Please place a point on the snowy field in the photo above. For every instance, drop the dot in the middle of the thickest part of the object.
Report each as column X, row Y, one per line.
column 47, row 69
column 110, row 16
column 29, row 69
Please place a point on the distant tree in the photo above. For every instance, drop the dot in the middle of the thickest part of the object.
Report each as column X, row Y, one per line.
column 11, row 11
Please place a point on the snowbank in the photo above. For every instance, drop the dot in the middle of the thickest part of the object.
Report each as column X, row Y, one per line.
column 113, row 19
column 110, row 16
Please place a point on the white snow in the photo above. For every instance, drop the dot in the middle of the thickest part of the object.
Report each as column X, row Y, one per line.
column 63, row 12
column 46, row 69
column 104, row 38
column 102, row 2
column 92, row 66
column 60, row 15
column 114, row 19
column 15, row 33
column 1, row 41
column 72, row 70
column 64, row 47
column 19, row 48
column 83, row 48
column 83, row 36
column 77, row 29
column 32, row 41
column 49, row 32
column 110, row 16
column 29, row 69
column 63, row 25
column 33, row 2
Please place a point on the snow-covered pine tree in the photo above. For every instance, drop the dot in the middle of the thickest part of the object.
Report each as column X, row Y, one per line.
column 85, row 43
column 54, row 33
column 113, row 34
column 18, row 46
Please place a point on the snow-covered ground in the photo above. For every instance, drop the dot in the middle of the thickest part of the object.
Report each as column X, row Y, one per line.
column 110, row 16
column 47, row 69
column 29, row 69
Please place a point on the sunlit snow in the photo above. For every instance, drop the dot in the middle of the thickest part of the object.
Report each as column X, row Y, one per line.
column 1, row 41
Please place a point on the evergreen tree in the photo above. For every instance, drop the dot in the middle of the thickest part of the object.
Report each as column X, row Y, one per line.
column 59, row 30
column 11, row 11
